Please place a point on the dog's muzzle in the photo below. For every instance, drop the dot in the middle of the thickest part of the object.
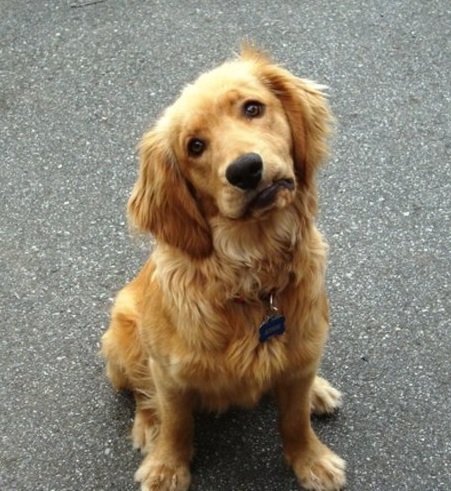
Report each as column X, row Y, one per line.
column 246, row 173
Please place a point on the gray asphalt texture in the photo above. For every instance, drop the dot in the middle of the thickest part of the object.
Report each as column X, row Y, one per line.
column 79, row 85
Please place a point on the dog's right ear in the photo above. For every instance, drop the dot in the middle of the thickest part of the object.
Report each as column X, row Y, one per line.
column 161, row 201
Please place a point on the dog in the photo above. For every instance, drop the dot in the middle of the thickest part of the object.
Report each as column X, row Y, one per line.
column 231, row 304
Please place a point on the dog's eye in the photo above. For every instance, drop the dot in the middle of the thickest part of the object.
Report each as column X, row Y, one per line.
column 253, row 109
column 196, row 147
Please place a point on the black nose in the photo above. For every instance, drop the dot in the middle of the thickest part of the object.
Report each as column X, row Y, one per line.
column 245, row 172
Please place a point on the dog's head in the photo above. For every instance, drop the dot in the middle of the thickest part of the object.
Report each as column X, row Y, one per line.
column 241, row 141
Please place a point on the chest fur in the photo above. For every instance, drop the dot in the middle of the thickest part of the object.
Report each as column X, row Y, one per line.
column 226, row 363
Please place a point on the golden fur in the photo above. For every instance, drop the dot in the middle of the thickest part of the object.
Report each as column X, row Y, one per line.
column 184, row 332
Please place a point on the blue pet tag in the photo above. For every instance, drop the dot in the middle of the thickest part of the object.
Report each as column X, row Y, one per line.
column 272, row 326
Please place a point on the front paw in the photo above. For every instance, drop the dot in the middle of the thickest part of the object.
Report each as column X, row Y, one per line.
column 157, row 476
column 321, row 471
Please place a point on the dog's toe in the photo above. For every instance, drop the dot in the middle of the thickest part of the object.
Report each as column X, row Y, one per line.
column 325, row 399
column 145, row 430
column 155, row 476
column 326, row 472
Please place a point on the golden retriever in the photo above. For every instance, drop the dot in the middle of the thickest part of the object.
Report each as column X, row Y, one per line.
column 232, row 302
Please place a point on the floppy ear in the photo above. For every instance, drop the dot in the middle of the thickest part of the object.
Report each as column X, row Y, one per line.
column 161, row 202
column 307, row 111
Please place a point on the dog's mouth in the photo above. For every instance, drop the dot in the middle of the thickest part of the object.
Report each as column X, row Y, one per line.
column 267, row 196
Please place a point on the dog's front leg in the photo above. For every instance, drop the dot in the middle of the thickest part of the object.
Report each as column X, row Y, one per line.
column 315, row 465
column 166, row 467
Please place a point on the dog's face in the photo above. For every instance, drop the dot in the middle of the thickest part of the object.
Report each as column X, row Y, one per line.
column 232, row 141
column 240, row 142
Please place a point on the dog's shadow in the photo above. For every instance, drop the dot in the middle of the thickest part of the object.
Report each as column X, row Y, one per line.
column 240, row 450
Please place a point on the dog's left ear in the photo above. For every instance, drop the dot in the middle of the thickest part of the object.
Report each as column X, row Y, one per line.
column 162, row 203
column 306, row 108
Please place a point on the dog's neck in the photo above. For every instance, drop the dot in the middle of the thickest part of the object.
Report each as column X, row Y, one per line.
column 250, row 259
column 259, row 252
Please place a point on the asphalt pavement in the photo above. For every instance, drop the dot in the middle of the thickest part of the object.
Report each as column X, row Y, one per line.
column 80, row 81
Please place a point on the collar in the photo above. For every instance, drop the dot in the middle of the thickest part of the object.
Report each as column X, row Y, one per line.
column 268, row 299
